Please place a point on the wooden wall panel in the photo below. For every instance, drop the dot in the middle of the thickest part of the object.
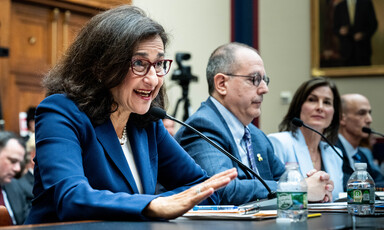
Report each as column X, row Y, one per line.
column 32, row 38
column 37, row 33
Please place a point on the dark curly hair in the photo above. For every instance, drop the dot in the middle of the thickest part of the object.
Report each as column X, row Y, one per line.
column 99, row 59
column 301, row 96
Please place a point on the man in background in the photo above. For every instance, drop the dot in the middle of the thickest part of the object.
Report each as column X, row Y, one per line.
column 169, row 125
column 30, row 122
column 237, row 82
column 12, row 151
column 354, row 24
column 26, row 181
column 356, row 114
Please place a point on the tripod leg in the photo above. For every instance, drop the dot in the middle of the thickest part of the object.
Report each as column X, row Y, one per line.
column 186, row 109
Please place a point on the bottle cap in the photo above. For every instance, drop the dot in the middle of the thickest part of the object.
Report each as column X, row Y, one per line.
column 291, row 165
column 360, row 165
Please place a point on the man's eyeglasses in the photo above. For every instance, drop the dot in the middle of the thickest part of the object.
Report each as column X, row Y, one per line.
column 256, row 79
column 141, row 66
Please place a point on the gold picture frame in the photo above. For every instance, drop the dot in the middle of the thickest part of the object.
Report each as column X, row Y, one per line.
column 318, row 24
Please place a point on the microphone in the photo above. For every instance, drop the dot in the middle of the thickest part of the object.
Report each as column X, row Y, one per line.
column 369, row 131
column 160, row 113
column 296, row 121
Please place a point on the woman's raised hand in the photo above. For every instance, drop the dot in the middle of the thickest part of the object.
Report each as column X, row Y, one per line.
column 176, row 205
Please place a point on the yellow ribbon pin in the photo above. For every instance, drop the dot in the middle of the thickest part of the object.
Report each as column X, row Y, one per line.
column 259, row 158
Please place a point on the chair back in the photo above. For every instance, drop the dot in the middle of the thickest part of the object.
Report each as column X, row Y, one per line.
column 5, row 220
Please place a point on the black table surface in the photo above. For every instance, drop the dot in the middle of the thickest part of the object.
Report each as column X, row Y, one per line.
column 325, row 221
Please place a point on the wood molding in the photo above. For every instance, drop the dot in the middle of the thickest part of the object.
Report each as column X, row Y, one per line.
column 100, row 4
column 91, row 7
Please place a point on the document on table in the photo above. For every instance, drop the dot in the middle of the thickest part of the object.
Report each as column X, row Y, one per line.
column 256, row 210
column 339, row 207
column 230, row 214
column 328, row 207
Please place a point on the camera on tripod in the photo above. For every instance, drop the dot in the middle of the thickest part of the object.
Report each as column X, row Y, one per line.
column 183, row 73
column 183, row 76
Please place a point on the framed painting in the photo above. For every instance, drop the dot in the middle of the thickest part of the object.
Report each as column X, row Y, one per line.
column 342, row 46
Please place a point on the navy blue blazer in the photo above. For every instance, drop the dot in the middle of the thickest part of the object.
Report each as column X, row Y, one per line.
column 365, row 21
column 208, row 120
column 81, row 172
column 372, row 168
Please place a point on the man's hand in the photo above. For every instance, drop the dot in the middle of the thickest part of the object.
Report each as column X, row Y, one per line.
column 343, row 30
column 358, row 36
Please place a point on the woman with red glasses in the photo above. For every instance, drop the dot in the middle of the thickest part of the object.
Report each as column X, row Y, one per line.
column 99, row 154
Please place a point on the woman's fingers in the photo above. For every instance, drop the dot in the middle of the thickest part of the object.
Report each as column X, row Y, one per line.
column 180, row 203
column 230, row 173
column 215, row 182
column 311, row 172
column 219, row 180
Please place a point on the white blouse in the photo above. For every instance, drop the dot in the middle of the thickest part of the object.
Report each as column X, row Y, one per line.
column 132, row 165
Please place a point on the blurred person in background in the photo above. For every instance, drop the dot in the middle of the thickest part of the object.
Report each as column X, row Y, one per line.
column 12, row 151
column 356, row 114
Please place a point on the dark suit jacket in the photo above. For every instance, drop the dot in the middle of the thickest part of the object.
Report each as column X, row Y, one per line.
column 18, row 200
column 81, row 172
column 26, row 186
column 356, row 53
column 373, row 170
column 208, row 120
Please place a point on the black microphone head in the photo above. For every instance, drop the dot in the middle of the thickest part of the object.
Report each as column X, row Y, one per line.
column 157, row 112
column 296, row 121
column 366, row 130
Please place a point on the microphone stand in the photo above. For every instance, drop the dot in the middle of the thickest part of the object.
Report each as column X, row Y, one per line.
column 299, row 123
column 160, row 113
column 382, row 135
column 369, row 131
column 329, row 143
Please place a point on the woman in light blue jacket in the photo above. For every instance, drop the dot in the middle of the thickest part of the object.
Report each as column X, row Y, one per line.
column 317, row 103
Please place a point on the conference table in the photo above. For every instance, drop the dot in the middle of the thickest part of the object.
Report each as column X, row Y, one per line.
column 325, row 221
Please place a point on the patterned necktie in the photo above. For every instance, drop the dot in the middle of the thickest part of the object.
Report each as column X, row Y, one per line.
column 2, row 203
column 248, row 144
column 360, row 158
column 357, row 158
column 1, row 197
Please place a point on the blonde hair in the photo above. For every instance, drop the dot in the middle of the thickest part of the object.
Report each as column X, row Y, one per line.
column 30, row 145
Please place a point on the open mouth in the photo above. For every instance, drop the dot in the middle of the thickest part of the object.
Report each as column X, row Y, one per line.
column 143, row 93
